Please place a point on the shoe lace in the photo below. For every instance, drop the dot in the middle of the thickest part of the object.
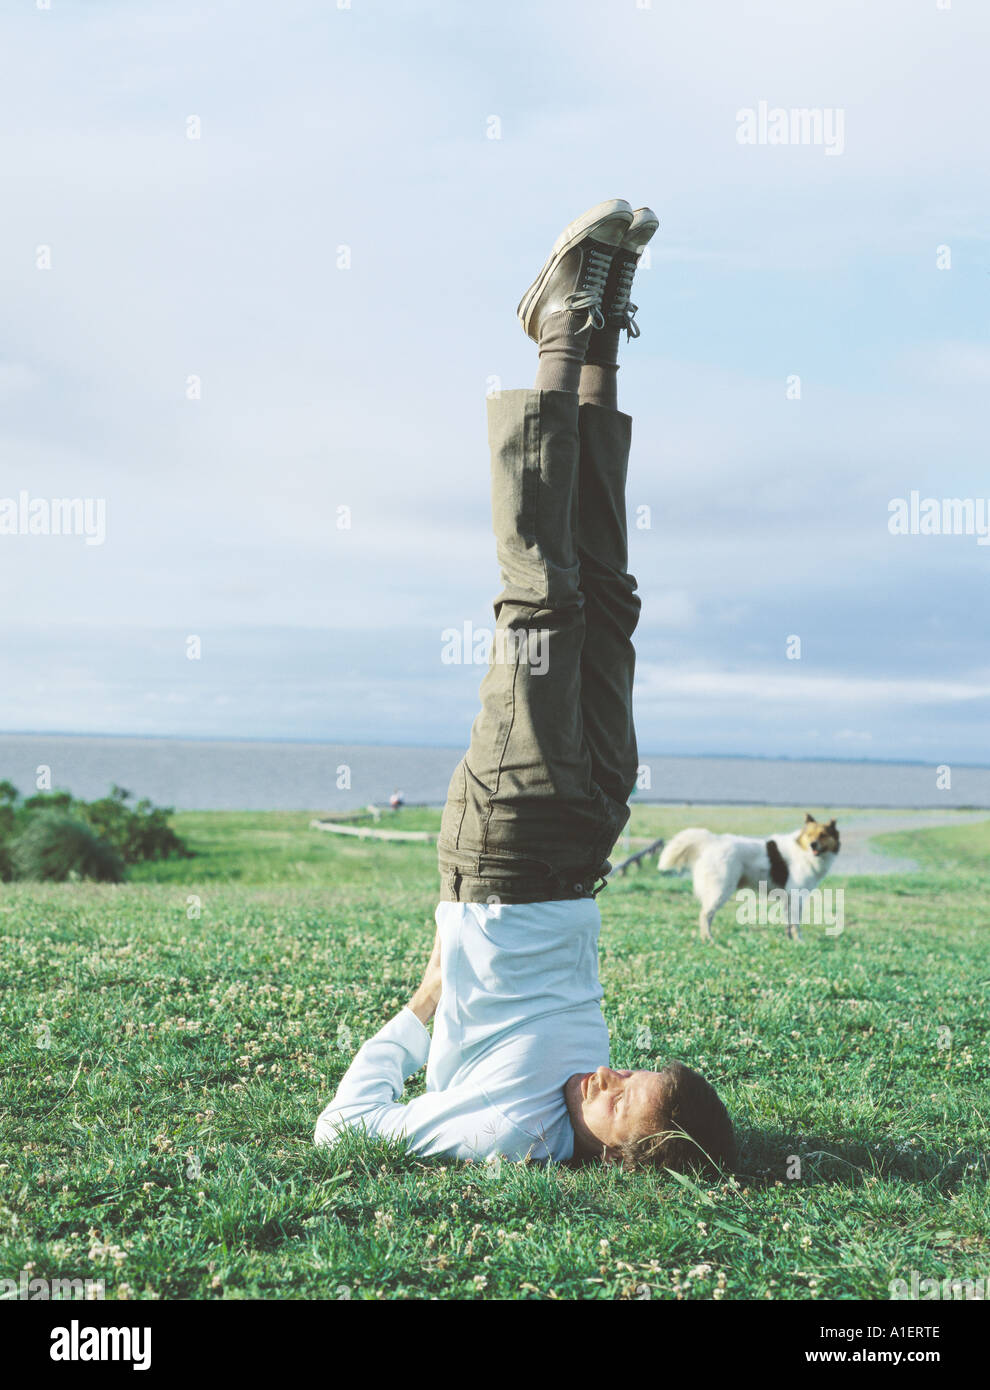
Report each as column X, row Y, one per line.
column 591, row 285
column 622, row 306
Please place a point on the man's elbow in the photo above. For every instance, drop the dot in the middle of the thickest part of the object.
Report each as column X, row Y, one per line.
column 328, row 1128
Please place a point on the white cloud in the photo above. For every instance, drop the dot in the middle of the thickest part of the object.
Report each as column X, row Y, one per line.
column 16, row 378
column 659, row 682
column 367, row 387
column 674, row 609
column 952, row 363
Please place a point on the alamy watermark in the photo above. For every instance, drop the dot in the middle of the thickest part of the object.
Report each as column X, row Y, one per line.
column 764, row 124
column 479, row 646
column 25, row 515
column 781, row 907
column 919, row 1288
column 30, row 1286
column 78, row 1342
column 915, row 515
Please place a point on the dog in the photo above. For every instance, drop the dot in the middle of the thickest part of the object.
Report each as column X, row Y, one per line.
column 722, row 864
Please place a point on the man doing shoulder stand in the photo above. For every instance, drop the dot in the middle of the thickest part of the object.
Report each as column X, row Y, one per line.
column 518, row 1061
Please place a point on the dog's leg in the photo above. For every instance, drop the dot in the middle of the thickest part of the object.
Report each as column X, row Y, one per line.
column 793, row 919
column 710, row 906
column 705, row 923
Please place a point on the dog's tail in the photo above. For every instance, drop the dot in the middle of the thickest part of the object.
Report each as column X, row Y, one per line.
column 683, row 849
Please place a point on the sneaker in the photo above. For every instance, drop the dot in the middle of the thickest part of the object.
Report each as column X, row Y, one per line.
column 577, row 270
column 617, row 308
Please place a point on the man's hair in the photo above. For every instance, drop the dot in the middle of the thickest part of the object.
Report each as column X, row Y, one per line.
column 692, row 1129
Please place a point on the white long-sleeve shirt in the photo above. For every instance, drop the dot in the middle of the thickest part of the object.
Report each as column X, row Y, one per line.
column 519, row 1013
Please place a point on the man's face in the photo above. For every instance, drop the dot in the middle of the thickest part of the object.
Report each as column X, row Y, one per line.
column 609, row 1108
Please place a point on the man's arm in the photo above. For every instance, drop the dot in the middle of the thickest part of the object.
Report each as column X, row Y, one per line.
column 368, row 1095
column 424, row 1002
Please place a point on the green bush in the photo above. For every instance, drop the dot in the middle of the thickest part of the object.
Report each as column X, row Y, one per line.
column 55, row 846
column 137, row 834
column 8, row 815
column 47, row 801
column 101, row 836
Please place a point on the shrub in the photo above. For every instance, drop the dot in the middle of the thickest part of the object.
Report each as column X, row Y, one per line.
column 139, row 833
column 8, row 802
column 101, row 836
column 47, row 801
column 55, row 846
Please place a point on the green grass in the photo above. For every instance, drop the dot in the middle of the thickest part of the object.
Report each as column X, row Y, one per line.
column 952, row 851
column 162, row 1139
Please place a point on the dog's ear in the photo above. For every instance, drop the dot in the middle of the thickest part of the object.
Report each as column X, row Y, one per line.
column 831, row 824
column 808, row 817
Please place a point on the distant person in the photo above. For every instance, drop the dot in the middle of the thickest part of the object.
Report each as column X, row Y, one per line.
column 396, row 800
column 518, row 1062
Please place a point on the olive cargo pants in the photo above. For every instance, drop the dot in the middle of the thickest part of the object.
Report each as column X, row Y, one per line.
column 538, row 801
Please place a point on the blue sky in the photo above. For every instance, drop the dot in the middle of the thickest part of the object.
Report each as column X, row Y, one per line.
column 321, row 387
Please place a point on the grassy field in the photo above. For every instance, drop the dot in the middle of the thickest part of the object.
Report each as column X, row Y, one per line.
column 167, row 1045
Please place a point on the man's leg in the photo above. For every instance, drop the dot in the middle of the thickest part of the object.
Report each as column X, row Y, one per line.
column 611, row 609
column 611, row 603
column 525, row 818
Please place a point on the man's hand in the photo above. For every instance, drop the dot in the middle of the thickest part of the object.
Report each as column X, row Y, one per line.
column 424, row 1002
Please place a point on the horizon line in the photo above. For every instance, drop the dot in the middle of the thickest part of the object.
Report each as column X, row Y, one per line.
column 447, row 747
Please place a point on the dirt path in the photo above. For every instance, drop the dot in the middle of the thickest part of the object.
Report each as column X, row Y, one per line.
column 856, row 855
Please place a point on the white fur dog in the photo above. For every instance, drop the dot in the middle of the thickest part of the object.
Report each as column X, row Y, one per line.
column 722, row 864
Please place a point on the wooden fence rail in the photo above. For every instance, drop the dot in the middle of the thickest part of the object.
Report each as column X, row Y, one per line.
column 370, row 832
column 639, row 858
